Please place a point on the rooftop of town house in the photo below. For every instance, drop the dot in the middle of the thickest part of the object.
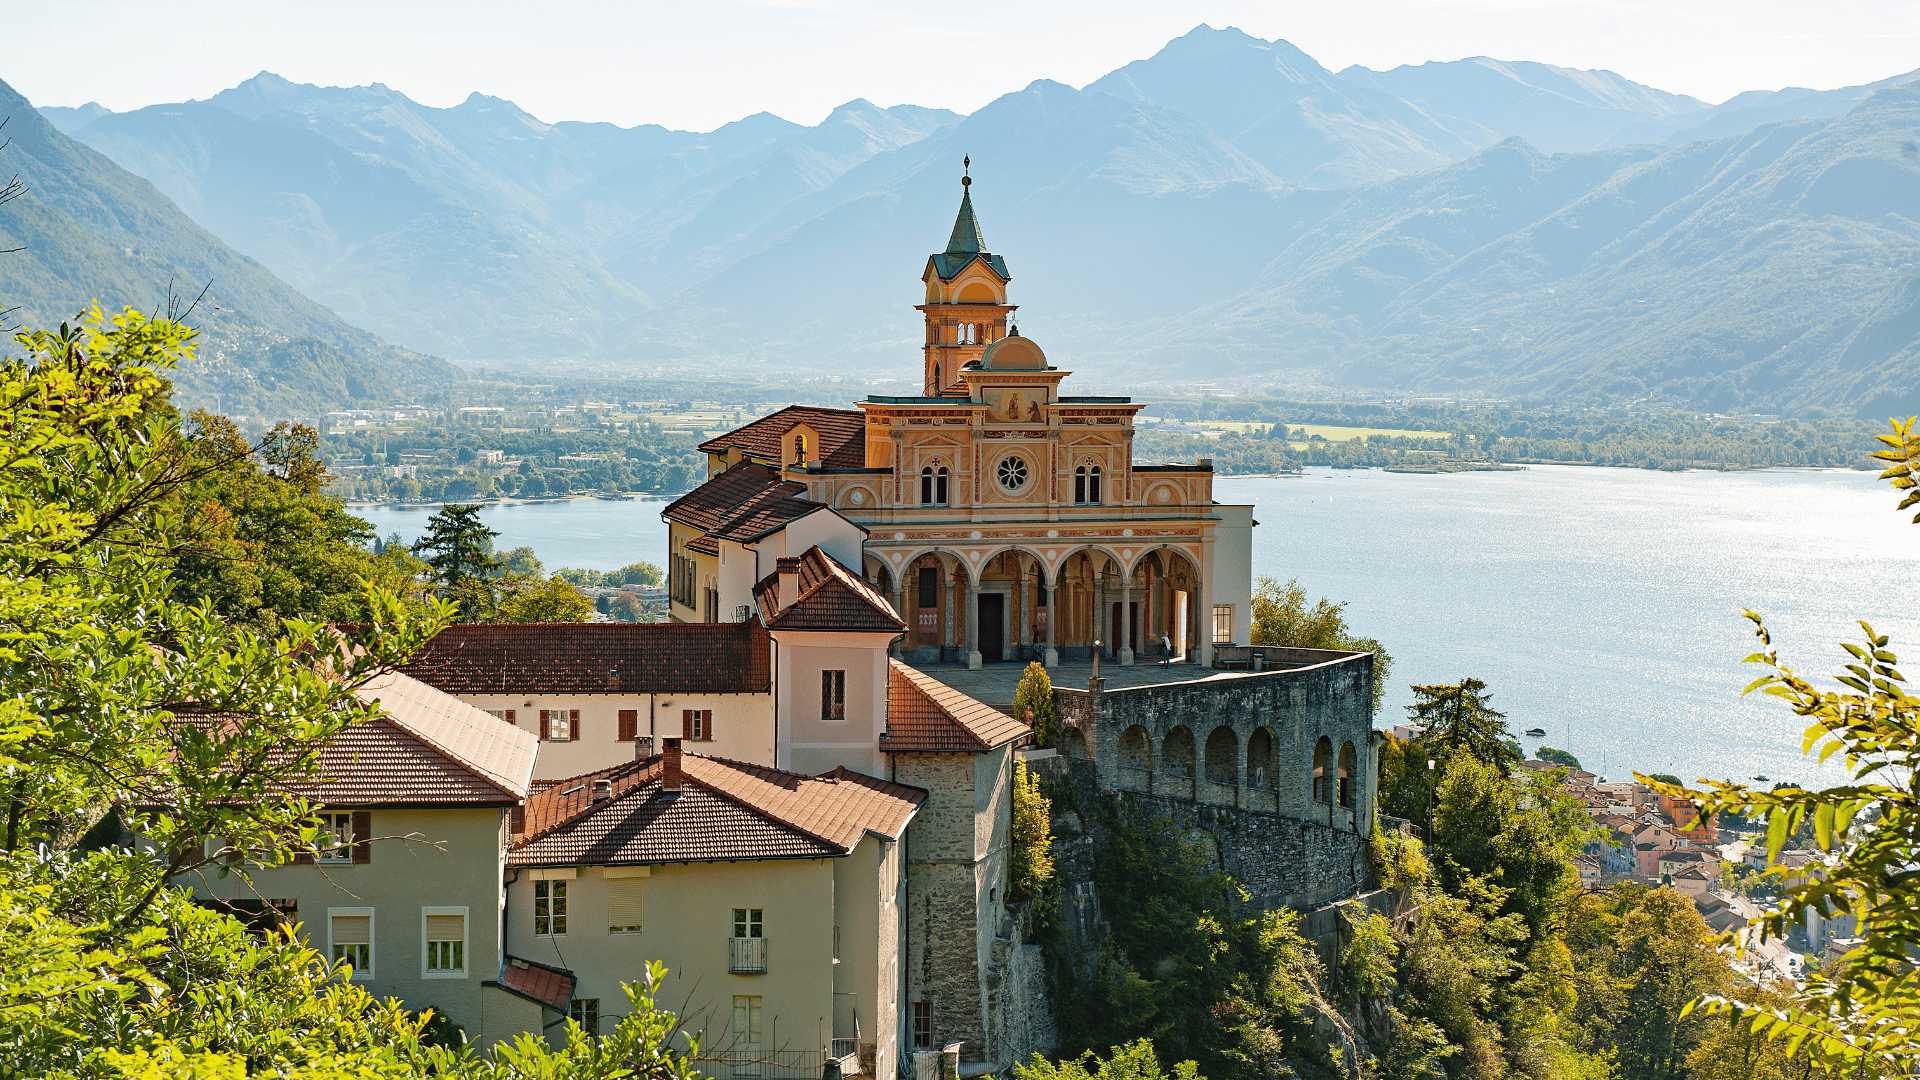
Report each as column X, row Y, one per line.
column 595, row 658
column 994, row 683
column 926, row 715
column 842, row 434
column 742, row 504
column 715, row 810
column 829, row 597
column 537, row 982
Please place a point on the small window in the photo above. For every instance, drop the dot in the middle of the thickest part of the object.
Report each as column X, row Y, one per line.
column 1222, row 624
column 933, row 485
column 1086, row 485
column 696, row 725
column 833, row 696
column 549, row 908
column 350, row 939
column 624, row 899
column 586, row 1013
column 445, row 932
column 557, row 724
column 923, row 1025
column 800, row 449
column 929, row 587
column 336, row 838
column 748, row 922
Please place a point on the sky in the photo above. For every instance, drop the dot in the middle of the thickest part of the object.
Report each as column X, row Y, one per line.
column 699, row 64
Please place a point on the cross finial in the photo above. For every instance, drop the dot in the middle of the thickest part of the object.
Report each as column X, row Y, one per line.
column 966, row 165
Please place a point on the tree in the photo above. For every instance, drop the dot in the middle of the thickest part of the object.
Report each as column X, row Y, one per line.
column 1032, row 836
column 1282, row 616
column 1134, row 1061
column 1457, row 717
column 457, row 545
column 542, row 600
column 1033, row 702
column 125, row 709
column 1643, row 954
column 1555, row 756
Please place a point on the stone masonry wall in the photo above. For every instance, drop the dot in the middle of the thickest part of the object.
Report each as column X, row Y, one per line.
column 942, row 950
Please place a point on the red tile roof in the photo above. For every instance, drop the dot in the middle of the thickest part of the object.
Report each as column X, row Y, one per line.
column 537, row 982
column 842, row 436
column 924, row 714
column 830, row 597
column 596, row 658
column 725, row 810
column 745, row 489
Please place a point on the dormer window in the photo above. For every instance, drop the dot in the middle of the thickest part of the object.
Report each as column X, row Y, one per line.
column 1086, row 485
column 933, row 485
column 800, row 449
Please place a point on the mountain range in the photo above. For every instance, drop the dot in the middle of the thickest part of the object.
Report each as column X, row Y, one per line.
column 1225, row 211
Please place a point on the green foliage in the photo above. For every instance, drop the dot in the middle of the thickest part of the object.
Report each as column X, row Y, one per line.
column 1134, row 1061
column 1644, row 953
column 1033, row 702
column 1902, row 455
column 1459, row 718
column 489, row 587
column 458, row 546
column 542, row 600
column 126, row 710
column 1283, row 616
column 1399, row 861
column 1188, row 965
column 1032, row 836
column 1518, row 833
column 638, row 573
column 1553, row 755
column 1367, row 956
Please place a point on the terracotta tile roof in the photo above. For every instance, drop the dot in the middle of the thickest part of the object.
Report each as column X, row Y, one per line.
column 596, row 658
column 743, row 489
column 924, row 714
column 481, row 742
column 831, row 597
column 537, row 982
column 704, row 545
column 725, row 810
column 842, row 436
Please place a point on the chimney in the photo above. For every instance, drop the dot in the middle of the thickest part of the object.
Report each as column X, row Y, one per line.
column 642, row 747
column 789, row 570
column 602, row 790
column 670, row 768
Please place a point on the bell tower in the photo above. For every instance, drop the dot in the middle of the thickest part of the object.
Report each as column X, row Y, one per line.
column 966, row 305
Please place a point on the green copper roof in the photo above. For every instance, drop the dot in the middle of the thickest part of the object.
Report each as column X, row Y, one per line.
column 966, row 238
column 966, row 244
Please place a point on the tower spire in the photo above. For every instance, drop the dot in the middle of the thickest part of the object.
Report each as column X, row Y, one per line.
column 966, row 238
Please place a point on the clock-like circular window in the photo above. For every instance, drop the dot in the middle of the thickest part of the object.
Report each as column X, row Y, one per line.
column 1013, row 472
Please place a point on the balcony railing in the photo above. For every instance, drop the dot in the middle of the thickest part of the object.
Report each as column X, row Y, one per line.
column 747, row 955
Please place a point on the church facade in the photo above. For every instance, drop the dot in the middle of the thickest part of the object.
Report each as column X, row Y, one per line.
column 1005, row 518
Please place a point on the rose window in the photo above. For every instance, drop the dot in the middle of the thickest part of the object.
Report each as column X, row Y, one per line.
column 1013, row 473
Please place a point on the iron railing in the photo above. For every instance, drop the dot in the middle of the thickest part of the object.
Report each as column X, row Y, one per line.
column 747, row 955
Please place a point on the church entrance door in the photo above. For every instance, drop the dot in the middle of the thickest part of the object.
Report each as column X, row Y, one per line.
column 993, row 626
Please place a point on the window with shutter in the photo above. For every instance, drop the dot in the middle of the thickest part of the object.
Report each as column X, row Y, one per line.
column 350, row 939
column 336, row 838
column 557, row 725
column 362, row 837
column 629, row 724
column 623, row 905
column 445, row 932
column 696, row 725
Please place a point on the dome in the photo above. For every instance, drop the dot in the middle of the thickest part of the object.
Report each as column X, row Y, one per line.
column 1013, row 354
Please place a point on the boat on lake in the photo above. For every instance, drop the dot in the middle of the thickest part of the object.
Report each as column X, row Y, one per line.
column 1535, row 733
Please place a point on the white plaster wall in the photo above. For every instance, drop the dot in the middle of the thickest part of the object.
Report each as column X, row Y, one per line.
column 742, row 726
column 737, row 577
column 829, row 531
column 687, row 918
column 421, row 858
column 1230, row 569
column 807, row 744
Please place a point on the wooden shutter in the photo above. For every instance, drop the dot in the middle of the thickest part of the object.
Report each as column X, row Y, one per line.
column 543, row 726
column 573, row 724
column 362, row 836
column 623, row 904
column 303, row 859
column 510, row 716
column 686, row 723
column 629, row 721
column 446, row 928
column 352, row 930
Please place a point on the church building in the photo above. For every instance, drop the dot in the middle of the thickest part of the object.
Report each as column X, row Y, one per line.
column 1004, row 518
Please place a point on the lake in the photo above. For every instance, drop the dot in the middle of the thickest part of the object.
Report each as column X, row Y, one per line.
column 1600, row 604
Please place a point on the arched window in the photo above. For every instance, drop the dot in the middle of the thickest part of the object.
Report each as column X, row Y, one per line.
column 1086, row 485
column 800, row 449
column 933, row 485
column 1323, row 770
column 1346, row 775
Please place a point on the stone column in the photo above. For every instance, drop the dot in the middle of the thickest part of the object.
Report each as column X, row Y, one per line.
column 1202, row 647
column 1051, row 657
column 900, row 606
column 1126, row 622
column 1018, row 609
column 946, row 628
column 1097, row 625
column 970, row 611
